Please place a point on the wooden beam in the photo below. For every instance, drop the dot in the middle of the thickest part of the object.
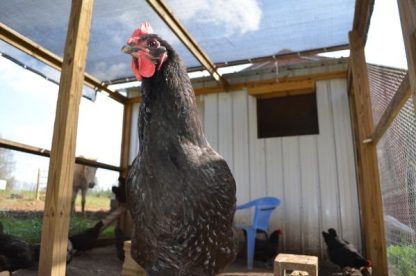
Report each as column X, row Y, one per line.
column 7, row 144
column 33, row 49
column 282, row 85
column 57, row 210
column 397, row 102
column 407, row 11
column 362, row 16
column 369, row 185
column 281, row 88
column 173, row 23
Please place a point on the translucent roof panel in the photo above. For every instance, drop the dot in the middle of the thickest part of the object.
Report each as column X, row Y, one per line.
column 231, row 30
column 242, row 29
column 45, row 22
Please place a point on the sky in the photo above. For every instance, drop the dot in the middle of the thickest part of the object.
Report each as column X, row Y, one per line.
column 28, row 101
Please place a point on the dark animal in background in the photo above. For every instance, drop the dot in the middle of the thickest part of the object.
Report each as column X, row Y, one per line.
column 180, row 191
column 14, row 252
column 344, row 254
column 266, row 250
column 120, row 190
column 86, row 239
column 84, row 178
column 120, row 239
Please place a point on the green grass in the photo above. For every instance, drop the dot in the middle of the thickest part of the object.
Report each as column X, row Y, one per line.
column 29, row 228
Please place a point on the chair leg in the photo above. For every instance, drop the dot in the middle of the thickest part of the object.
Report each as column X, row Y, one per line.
column 251, row 242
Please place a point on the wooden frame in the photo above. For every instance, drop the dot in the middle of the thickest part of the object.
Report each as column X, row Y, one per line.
column 369, row 179
column 407, row 11
column 56, row 217
column 166, row 15
column 57, row 210
column 31, row 48
column 367, row 164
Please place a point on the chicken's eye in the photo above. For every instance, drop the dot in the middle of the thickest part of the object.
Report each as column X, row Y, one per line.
column 152, row 43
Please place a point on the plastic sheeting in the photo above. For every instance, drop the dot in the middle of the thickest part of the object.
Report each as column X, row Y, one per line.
column 225, row 30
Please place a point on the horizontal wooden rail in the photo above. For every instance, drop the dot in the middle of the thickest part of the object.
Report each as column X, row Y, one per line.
column 33, row 49
column 397, row 102
column 271, row 87
column 4, row 143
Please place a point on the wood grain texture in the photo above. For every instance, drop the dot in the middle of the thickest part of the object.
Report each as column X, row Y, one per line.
column 393, row 109
column 407, row 11
column 59, row 189
column 35, row 50
column 369, row 186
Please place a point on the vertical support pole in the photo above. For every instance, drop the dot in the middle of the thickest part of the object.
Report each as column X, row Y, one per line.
column 369, row 186
column 124, row 221
column 407, row 11
column 37, row 185
column 61, row 165
column 125, row 139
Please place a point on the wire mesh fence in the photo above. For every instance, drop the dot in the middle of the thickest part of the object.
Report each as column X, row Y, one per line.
column 397, row 164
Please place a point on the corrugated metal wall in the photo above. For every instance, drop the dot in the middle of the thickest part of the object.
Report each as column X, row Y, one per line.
column 313, row 175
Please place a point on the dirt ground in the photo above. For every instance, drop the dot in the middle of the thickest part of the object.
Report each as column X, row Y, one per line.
column 102, row 261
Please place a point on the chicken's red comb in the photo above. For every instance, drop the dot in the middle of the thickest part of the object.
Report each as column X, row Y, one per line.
column 144, row 29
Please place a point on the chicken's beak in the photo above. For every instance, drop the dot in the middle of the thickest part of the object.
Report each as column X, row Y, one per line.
column 127, row 49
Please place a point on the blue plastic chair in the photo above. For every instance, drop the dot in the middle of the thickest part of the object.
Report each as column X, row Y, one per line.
column 263, row 209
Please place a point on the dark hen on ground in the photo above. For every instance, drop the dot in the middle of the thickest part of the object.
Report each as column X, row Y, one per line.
column 15, row 253
column 342, row 253
column 266, row 249
column 181, row 192
column 86, row 239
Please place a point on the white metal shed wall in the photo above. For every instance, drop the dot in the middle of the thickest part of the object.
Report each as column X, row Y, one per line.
column 313, row 175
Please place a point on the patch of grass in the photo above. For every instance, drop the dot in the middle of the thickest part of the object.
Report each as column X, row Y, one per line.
column 29, row 228
column 100, row 202
column 403, row 258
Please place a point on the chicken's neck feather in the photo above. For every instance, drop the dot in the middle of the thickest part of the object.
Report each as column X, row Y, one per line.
column 169, row 102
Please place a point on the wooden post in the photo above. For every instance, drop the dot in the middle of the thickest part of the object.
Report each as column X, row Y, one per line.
column 407, row 11
column 61, row 165
column 37, row 185
column 125, row 139
column 125, row 221
column 369, row 185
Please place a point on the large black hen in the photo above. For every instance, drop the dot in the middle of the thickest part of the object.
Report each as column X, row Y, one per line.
column 342, row 253
column 14, row 252
column 181, row 192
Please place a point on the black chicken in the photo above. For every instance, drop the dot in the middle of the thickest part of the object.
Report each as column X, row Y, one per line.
column 266, row 250
column 342, row 253
column 120, row 190
column 181, row 192
column 86, row 239
column 15, row 253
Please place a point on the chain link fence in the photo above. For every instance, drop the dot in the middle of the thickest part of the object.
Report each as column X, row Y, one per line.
column 397, row 164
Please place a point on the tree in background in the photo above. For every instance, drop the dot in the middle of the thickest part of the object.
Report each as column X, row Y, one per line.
column 7, row 165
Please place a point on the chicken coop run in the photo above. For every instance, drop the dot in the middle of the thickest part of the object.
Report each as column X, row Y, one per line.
column 332, row 138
